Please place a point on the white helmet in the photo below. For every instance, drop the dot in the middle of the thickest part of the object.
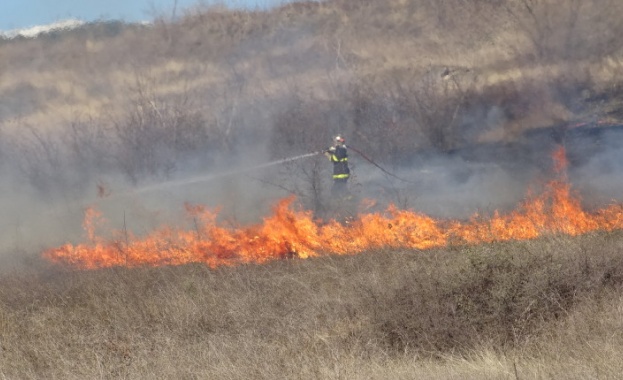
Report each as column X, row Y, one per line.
column 339, row 139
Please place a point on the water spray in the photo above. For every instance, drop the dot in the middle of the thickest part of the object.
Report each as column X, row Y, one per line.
column 210, row 177
column 214, row 176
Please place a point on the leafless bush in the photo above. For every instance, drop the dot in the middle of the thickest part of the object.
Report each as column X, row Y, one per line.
column 41, row 160
column 434, row 102
column 62, row 162
column 569, row 29
column 400, row 114
column 388, row 117
column 149, row 141
column 90, row 146
column 154, row 134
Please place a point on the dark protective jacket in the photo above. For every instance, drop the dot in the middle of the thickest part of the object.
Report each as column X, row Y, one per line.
column 339, row 156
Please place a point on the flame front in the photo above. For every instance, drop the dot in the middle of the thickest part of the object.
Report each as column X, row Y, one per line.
column 294, row 233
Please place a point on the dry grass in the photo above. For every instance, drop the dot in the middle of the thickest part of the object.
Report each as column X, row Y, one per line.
column 308, row 45
column 335, row 317
column 221, row 79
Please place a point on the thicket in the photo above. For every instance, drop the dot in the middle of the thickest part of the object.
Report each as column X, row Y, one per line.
column 150, row 141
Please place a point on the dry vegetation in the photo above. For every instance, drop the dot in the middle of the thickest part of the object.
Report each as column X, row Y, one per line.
column 401, row 78
column 545, row 309
column 398, row 77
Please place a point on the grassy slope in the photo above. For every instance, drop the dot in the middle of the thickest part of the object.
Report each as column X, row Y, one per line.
column 312, row 45
column 553, row 309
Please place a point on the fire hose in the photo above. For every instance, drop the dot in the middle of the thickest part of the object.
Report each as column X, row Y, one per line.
column 375, row 164
column 213, row 176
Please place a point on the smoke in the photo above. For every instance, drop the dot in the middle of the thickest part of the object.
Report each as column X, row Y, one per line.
column 49, row 180
column 497, row 177
column 43, row 205
column 233, row 155
column 597, row 164
column 451, row 186
column 448, row 187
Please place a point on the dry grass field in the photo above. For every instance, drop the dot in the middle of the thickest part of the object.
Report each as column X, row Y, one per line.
column 467, row 97
column 544, row 309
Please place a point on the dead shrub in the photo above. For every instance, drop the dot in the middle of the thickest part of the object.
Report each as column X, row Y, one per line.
column 568, row 29
column 41, row 160
column 154, row 134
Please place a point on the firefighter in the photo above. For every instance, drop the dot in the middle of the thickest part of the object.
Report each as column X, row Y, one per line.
column 338, row 155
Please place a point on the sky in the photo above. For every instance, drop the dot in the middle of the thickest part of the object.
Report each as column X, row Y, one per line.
column 19, row 14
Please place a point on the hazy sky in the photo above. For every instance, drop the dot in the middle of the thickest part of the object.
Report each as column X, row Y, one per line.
column 17, row 14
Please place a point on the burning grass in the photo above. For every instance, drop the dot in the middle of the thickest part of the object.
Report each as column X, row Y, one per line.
column 487, row 302
column 294, row 233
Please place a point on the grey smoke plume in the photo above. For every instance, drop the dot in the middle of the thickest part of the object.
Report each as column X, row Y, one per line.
column 446, row 186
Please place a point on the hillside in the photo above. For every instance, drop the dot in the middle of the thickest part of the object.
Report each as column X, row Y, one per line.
column 129, row 104
column 140, row 165
column 215, row 58
column 446, row 93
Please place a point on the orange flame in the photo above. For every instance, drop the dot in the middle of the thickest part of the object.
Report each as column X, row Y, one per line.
column 294, row 233
column 92, row 217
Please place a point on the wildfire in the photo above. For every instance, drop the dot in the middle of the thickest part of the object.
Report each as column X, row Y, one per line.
column 295, row 233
